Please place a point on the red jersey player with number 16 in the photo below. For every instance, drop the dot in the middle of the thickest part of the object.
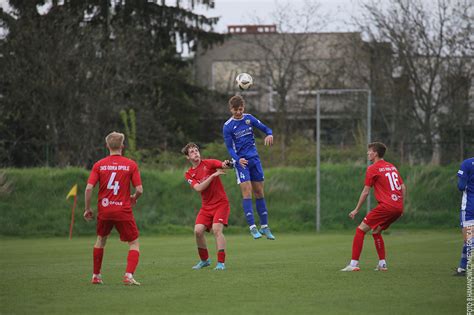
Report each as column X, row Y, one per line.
column 390, row 192
column 115, row 173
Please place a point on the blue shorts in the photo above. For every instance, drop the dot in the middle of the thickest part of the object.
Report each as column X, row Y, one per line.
column 467, row 218
column 252, row 172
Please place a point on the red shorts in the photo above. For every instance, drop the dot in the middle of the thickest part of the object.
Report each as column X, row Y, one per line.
column 215, row 214
column 127, row 229
column 382, row 216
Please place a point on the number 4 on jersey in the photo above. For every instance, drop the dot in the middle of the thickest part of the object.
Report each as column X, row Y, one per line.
column 113, row 185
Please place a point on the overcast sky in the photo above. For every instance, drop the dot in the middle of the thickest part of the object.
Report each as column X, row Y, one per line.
column 233, row 12
column 245, row 11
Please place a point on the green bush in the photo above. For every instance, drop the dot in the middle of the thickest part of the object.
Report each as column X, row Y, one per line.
column 35, row 204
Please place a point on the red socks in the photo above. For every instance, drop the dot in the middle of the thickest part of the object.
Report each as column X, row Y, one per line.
column 97, row 258
column 203, row 254
column 221, row 256
column 357, row 244
column 379, row 245
column 132, row 261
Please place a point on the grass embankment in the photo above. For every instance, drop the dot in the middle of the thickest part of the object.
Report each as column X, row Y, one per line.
column 35, row 203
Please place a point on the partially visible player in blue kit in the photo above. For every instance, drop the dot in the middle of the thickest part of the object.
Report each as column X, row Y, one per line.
column 466, row 185
column 240, row 142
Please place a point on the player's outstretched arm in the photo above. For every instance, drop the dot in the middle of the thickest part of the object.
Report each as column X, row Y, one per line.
column 202, row 186
column 226, row 164
column 462, row 183
column 362, row 198
column 229, row 143
column 88, row 214
column 463, row 176
column 268, row 140
column 261, row 126
column 137, row 194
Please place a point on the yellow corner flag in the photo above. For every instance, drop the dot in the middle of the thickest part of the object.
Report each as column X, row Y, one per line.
column 72, row 192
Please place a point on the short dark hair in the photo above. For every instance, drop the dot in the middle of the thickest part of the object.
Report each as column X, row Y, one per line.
column 188, row 146
column 378, row 147
column 236, row 101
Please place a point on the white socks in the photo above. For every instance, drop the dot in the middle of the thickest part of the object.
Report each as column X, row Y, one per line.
column 252, row 226
column 354, row 263
column 382, row 262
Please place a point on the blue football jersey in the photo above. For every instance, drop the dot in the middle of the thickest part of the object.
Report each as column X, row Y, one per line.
column 239, row 138
column 466, row 184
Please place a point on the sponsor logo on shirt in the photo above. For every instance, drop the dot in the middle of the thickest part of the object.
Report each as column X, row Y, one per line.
column 190, row 181
column 105, row 202
column 395, row 197
column 244, row 132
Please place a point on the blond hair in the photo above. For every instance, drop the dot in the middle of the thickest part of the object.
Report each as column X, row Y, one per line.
column 115, row 140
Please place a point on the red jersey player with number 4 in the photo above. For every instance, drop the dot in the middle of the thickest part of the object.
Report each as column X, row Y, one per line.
column 115, row 173
column 390, row 192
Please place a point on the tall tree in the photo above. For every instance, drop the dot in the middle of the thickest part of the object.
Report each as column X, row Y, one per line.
column 286, row 63
column 432, row 51
column 71, row 66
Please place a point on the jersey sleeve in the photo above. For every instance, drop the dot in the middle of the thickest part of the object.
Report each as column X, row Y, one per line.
column 369, row 178
column 136, row 178
column 463, row 175
column 190, row 180
column 229, row 142
column 94, row 175
column 259, row 125
column 215, row 163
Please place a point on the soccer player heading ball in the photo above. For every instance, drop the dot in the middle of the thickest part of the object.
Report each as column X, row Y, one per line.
column 466, row 185
column 203, row 176
column 390, row 193
column 240, row 142
column 114, row 174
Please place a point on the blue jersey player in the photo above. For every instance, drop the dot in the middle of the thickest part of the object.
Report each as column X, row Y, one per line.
column 240, row 142
column 466, row 186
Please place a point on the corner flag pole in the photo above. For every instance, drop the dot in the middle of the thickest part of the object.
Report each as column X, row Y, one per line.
column 72, row 192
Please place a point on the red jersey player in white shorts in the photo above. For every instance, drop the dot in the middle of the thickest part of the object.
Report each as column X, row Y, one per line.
column 115, row 173
column 203, row 176
column 390, row 193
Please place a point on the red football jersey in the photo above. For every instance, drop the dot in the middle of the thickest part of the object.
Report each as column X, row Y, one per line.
column 114, row 174
column 214, row 193
column 387, row 183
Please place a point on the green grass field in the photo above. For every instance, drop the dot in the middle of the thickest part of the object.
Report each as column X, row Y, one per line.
column 296, row 274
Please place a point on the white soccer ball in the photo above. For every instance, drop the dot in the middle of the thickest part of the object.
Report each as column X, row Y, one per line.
column 244, row 80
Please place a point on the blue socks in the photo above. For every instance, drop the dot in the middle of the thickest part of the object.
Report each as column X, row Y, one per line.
column 262, row 211
column 248, row 211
